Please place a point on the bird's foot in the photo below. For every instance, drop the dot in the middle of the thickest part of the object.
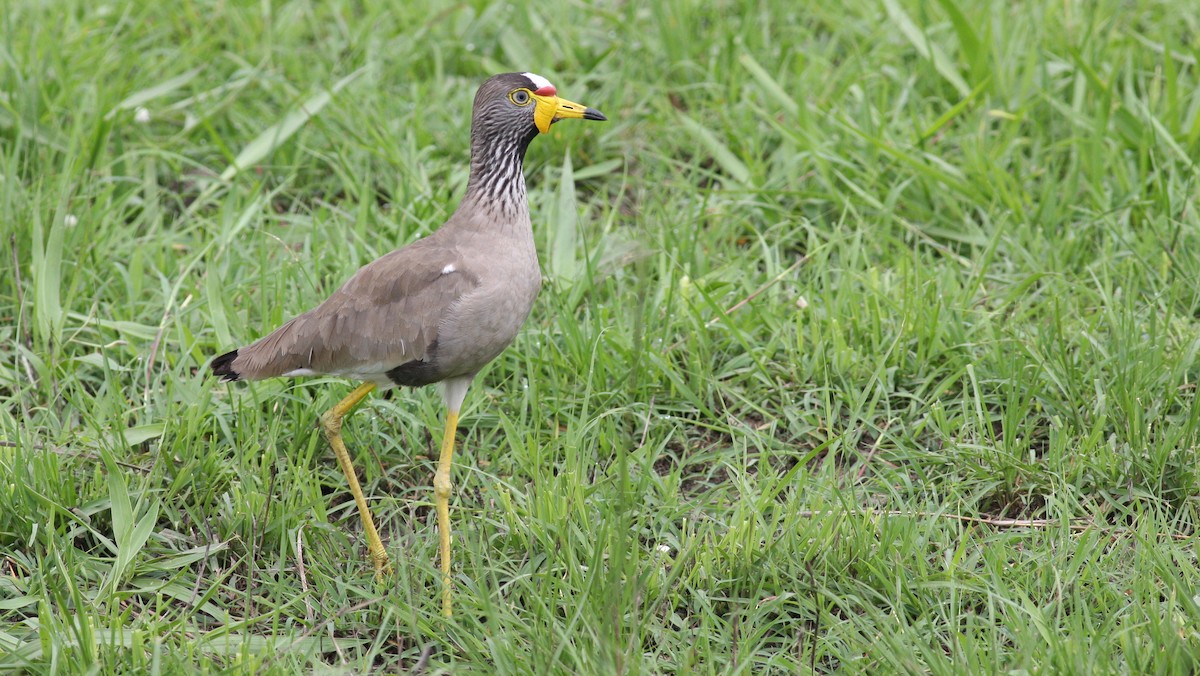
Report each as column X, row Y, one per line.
column 383, row 567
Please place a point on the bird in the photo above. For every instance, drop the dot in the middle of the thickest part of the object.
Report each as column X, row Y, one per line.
column 436, row 310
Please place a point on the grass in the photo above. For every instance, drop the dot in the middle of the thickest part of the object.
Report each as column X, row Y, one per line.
column 951, row 425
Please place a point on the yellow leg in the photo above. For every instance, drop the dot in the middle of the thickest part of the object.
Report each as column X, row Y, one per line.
column 332, row 423
column 441, row 494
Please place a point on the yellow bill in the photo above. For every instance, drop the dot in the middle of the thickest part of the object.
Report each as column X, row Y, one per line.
column 550, row 109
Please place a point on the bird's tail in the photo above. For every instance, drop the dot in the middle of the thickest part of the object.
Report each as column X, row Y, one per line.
column 223, row 366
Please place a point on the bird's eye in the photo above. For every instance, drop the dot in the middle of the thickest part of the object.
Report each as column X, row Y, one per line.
column 519, row 97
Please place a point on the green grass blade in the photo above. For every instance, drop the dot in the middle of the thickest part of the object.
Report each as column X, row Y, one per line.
column 564, row 263
column 46, row 269
column 118, row 499
column 925, row 47
column 954, row 111
column 968, row 40
column 144, row 96
column 277, row 134
column 724, row 157
column 131, row 531
column 214, row 291
column 768, row 84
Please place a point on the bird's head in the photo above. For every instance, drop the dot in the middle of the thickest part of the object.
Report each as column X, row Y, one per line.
column 514, row 100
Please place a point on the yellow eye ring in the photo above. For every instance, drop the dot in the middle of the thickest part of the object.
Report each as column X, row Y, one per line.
column 521, row 97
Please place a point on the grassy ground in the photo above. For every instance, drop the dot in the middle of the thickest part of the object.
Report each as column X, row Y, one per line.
column 868, row 342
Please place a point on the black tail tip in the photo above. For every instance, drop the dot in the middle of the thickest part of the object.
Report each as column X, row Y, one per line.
column 223, row 366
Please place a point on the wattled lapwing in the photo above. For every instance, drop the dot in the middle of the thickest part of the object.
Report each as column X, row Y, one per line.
column 438, row 309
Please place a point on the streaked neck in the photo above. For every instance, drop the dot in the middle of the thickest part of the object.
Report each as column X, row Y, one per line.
column 497, row 183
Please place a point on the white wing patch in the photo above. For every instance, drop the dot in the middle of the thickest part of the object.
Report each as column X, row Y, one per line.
column 448, row 269
column 538, row 81
column 294, row 373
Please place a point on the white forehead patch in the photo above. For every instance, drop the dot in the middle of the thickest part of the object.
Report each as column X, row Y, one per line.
column 538, row 81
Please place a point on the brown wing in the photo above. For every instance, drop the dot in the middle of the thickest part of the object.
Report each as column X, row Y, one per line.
column 385, row 315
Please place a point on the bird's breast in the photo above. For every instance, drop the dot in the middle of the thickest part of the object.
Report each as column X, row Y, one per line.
column 484, row 321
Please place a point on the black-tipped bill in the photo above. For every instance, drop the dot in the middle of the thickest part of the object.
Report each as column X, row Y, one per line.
column 551, row 109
